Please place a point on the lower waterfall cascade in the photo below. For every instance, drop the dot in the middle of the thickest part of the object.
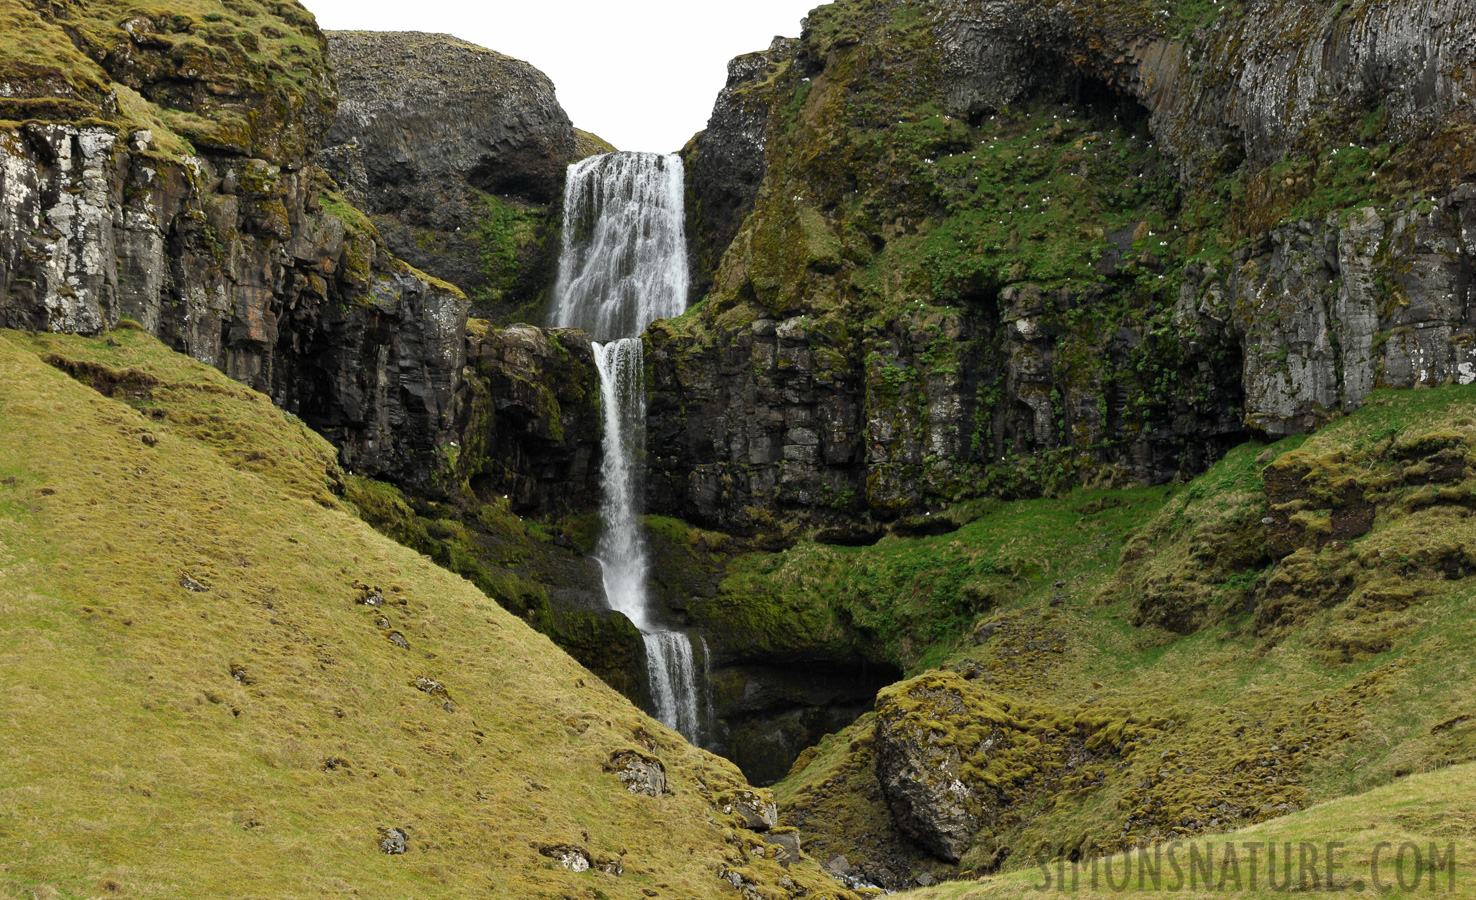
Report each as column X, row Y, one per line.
column 622, row 266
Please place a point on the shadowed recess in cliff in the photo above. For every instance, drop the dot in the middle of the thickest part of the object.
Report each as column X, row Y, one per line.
column 623, row 265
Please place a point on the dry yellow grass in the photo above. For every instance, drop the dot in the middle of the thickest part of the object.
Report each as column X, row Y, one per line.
column 250, row 741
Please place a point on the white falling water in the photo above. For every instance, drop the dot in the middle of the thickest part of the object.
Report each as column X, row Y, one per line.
column 624, row 259
column 621, row 550
column 624, row 265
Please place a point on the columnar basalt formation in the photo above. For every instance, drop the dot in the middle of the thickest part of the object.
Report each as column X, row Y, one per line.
column 194, row 209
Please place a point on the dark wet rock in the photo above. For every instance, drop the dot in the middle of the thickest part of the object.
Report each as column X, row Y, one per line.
column 534, row 426
column 767, row 712
column 726, row 161
column 925, row 525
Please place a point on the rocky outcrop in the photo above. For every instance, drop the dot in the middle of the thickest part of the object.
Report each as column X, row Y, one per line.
column 922, row 777
column 1400, row 68
column 1330, row 310
column 726, row 162
column 215, row 231
column 458, row 154
column 829, row 423
column 957, row 764
column 237, row 253
column 767, row 715
column 534, row 430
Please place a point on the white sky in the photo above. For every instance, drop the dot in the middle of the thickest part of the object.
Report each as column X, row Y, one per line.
column 642, row 74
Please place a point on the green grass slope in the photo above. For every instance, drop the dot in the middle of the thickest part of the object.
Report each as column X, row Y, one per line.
column 1294, row 627
column 1429, row 814
column 252, row 739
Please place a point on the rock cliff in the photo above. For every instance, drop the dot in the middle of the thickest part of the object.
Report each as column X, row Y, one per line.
column 1008, row 247
column 186, row 199
column 165, row 172
column 458, row 154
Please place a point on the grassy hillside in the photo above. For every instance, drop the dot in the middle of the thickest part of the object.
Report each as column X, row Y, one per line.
column 1429, row 810
column 1293, row 627
column 198, row 701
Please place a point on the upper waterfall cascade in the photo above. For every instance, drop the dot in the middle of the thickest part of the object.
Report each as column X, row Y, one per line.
column 624, row 265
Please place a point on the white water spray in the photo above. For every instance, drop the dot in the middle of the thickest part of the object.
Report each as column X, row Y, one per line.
column 623, row 265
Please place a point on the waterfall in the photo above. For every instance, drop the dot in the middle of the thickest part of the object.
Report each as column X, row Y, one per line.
column 623, row 265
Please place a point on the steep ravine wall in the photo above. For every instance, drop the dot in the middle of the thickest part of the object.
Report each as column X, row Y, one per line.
column 1284, row 223
column 201, row 215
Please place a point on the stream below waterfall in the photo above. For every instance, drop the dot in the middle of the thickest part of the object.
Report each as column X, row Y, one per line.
column 623, row 265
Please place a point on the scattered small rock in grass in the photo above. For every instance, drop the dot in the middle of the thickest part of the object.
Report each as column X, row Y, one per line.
column 393, row 841
column 371, row 596
column 191, row 585
column 394, row 637
column 578, row 859
column 239, row 673
column 430, row 686
column 641, row 774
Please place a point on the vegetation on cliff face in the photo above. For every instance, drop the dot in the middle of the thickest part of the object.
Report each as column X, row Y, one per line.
column 1028, row 246
column 217, row 676
column 262, row 66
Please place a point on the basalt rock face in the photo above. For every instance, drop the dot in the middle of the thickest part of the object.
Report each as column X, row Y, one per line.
column 767, row 714
column 534, row 434
column 1011, row 247
column 458, row 153
column 237, row 253
column 726, row 162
